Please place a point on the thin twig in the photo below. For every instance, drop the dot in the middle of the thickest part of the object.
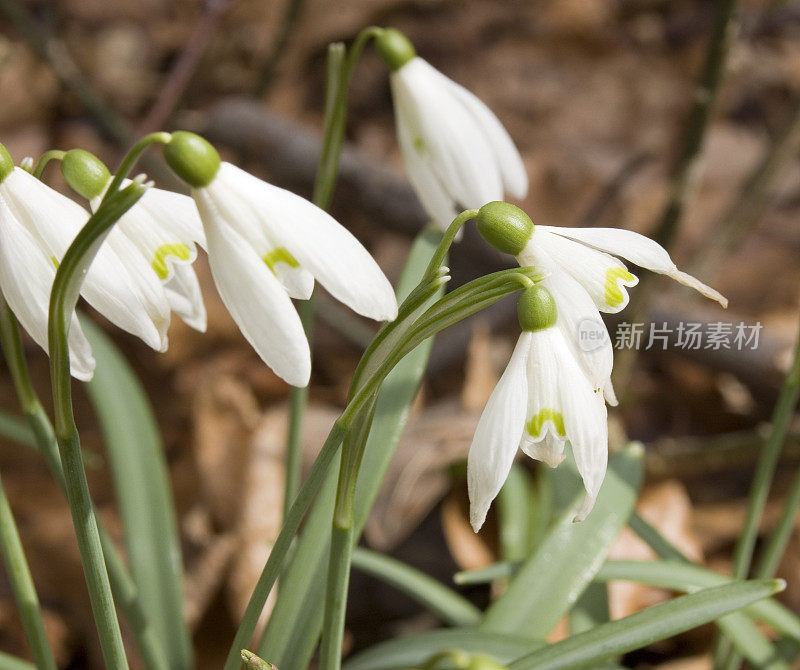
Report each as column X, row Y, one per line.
column 185, row 66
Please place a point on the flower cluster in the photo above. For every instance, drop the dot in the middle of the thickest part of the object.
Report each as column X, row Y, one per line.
column 267, row 246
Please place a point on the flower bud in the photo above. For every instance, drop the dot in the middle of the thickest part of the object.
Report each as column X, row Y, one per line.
column 192, row 158
column 394, row 48
column 536, row 309
column 504, row 226
column 85, row 173
column 6, row 163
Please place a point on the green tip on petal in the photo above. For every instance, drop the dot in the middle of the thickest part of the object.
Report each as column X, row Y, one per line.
column 192, row 158
column 536, row 308
column 86, row 174
column 504, row 226
column 6, row 163
column 394, row 48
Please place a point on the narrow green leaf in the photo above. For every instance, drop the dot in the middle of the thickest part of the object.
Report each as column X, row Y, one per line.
column 450, row 606
column 655, row 623
column 513, row 513
column 141, row 481
column 591, row 610
column 16, row 429
column 414, row 650
column 687, row 577
column 751, row 642
column 549, row 583
column 499, row 570
column 285, row 642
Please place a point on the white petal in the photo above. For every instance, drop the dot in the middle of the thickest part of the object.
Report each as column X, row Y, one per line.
column 164, row 226
column 544, row 436
column 497, row 435
column 434, row 196
column 585, row 422
column 142, row 283
column 509, row 162
column 603, row 276
column 55, row 220
column 26, row 279
column 583, row 329
column 449, row 138
column 255, row 298
column 184, row 297
column 638, row 249
column 315, row 240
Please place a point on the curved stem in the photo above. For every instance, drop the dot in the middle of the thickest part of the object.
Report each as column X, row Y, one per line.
column 47, row 156
column 64, row 296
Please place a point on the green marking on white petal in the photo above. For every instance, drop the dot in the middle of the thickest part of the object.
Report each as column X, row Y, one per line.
column 419, row 145
column 159, row 263
column 614, row 293
column 54, row 261
column 537, row 421
column 280, row 255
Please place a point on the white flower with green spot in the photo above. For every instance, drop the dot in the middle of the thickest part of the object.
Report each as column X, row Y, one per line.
column 164, row 227
column 457, row 153
column 37, row 226
column 542, row 400
column 265, row 246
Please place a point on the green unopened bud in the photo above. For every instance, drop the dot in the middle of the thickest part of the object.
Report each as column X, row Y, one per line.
column 394, row 48
column 192, row 158
column 85, row 173
column 6, row 163
column 452, row 659
column 504, row 226
column 536, row 309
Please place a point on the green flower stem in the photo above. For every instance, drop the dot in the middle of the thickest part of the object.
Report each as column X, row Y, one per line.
column 784, row 409
column 19, row 576
column 759, row 491
column 323, row 187
column 47, row 156
column 64, row 296
column 765, row 469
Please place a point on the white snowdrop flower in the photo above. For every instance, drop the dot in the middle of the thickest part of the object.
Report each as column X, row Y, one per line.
column 115, row 284
column 589, row 255
column 584, row 275
column 542, row 400
column 163, row 226
column 265, row 246
column 457, row 153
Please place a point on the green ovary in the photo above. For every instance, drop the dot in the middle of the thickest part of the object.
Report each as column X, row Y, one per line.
column 614, row 293
column 537, row 421
column 280, row 255
column 159, row 264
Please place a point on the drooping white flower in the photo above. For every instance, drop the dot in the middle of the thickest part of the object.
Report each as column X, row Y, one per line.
column 265, row 246
column 585, row 276
column 163, row 227
column 457, row 153
column 118, row 284
column 589, row 255
column 542, row 400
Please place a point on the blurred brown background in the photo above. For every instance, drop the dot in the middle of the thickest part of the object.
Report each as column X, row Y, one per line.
column 596, row 94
